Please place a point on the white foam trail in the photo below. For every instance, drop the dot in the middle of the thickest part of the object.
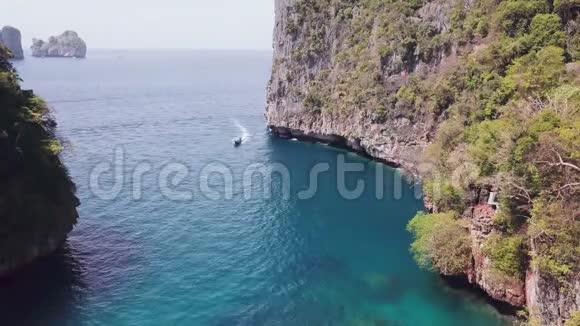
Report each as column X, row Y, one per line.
column 246, row 136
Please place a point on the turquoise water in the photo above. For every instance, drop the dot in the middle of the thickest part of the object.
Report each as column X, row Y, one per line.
column 155, row 260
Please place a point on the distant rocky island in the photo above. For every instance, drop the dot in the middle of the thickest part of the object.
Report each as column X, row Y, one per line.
column 66, row 45
column 11, row 38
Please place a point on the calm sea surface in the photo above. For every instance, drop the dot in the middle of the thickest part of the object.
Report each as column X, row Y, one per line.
column 164, row 251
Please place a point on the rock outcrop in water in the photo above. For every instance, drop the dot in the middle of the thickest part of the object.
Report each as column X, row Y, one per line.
column 11, row 38
column 37, row 197
column 417, row 84
column 68, row 45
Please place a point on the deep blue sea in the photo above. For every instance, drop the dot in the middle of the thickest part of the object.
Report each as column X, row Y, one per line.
column 178, row 232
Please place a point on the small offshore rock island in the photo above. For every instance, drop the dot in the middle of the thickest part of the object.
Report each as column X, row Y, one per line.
column 479, row 99
column 66, row 45
column 11, row 38
column 37, row 198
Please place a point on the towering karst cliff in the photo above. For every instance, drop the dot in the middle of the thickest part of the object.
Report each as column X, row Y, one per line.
column 480, row 98
column 11, row 38
column 37, row 200
column 68, row 45
column 338, row 69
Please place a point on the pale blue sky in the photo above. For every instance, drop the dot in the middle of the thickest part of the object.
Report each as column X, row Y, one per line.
column 199, row 24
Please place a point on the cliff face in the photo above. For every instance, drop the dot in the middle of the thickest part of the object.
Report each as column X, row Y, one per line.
column 37, row 200
column 311, row 93
column 68, row 45
column 11, row 38
column 545, row 299
column 480, row 216
column 548, row 300
column 353, row 74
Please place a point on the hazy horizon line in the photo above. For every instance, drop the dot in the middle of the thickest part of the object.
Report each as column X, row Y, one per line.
column 27, row 49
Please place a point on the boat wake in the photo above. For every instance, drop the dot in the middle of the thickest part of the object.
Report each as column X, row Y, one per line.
column 246, row 136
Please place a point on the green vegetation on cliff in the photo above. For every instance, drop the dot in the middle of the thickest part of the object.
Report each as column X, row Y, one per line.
column 377, row 39
column 513, row 124
column 442, row 243
column 37, row 202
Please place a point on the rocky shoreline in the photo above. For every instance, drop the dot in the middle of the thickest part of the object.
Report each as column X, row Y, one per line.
column 336, row 141
column 398, row 150
column 33, row 253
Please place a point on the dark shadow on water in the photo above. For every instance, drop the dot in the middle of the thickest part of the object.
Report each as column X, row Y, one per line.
column 46, row 292
column 461, row 284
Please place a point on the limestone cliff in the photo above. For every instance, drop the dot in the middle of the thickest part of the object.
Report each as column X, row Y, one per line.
column 11, row 38
column 480, row 216
column 317, row 91
column 37, row 200
column 544, row 298
column 371, row 76
column 552, row 303
column 68, row 45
